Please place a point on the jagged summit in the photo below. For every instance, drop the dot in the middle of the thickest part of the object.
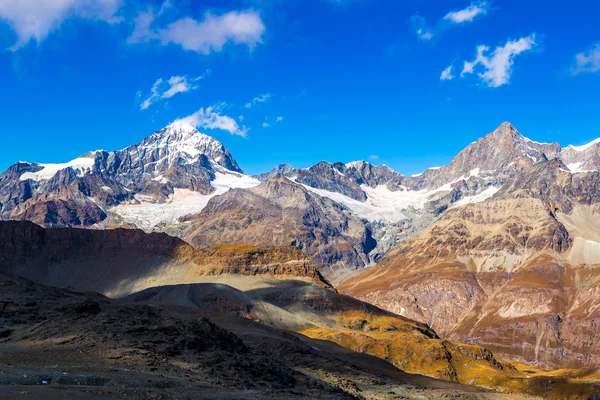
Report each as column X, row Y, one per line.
column 281, row 169
column 176, row 160
column 180, row 141
column 506, row 127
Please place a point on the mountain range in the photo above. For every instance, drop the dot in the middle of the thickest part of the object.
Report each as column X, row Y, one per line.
column 344, row 216
column 499, row 248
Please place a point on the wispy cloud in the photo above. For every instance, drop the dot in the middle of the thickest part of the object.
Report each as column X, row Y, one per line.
column 467, row 14
column 496, row 66
column 162, row 90
column 212, row 118
column 422, row 28
column 267, row 124
column 373, row 157
column 447, row 74
column 36, row 19
column 426, row 31
column 258, row 99
column 587, row 61
column 206, row 36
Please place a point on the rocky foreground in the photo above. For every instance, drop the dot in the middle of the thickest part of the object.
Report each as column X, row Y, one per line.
column 60, row 343
column 270, row 299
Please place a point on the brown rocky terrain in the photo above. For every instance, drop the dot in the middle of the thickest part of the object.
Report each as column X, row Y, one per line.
column 283, row 213
column 60, row 343
column 113, row 262
column 272, row 287
column 515, row 273
column 412, row 347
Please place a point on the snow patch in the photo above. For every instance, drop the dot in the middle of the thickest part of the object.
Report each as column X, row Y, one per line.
column 81, row 165
column 575, row 167
column 182, row 202
column 478, row 198
column 421, row 173
column 382, row 204
column 353, row 164
column 585, row 146
column 161, row 179
column 385, row 205
column 533, row 141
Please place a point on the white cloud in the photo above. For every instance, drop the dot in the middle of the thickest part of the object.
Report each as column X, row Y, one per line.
column 447, row 74
column 427, row 31
column 467, row 14
column 162, row 90
column 425, row 35
column 206, row 36
column 211, row 118
column 422, row 29
column 373, row 157
column 267, row 124
column 35, row 19
column 497, row 65
column 588, row 61
column 258, row 99
column 141, row 31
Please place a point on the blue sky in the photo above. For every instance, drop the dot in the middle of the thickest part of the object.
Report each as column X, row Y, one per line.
column 296, row 81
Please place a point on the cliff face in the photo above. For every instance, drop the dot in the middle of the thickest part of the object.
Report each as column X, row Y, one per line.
column 517, row 273
column 111, row 261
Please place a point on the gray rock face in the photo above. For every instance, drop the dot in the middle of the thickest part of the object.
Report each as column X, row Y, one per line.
column 582, row 158
column 328, row 176
column 281, row 169
column 79, row 193
column 365, row 173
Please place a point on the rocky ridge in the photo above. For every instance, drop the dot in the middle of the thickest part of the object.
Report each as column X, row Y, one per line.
column 166, row 182
column 520, row 267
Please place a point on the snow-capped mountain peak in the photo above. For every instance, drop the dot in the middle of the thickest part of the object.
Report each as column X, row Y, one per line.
column 184, row 139
column 182, row 142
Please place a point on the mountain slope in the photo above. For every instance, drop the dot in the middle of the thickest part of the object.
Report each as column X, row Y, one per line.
column 283, row 213
column 272, row 289
column 515, row 273
column 59, row 343
column 118, row 262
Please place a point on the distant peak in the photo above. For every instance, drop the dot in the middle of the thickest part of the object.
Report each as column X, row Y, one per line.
column 585, row 146
column 507, row 125
column 354, row 163
column 507, row 128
